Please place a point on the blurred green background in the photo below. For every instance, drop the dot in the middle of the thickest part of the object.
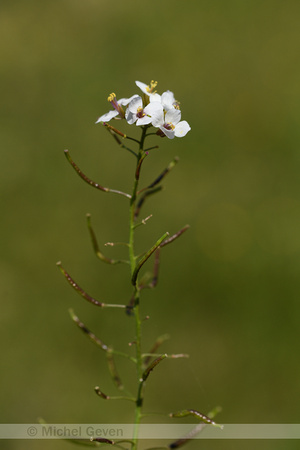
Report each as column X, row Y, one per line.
column 228, row 292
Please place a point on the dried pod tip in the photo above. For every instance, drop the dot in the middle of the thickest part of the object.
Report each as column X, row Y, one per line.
column 100, row 393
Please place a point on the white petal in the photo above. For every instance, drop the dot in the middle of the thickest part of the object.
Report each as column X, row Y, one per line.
column 182, row 128
column 156, row 112
column 135, row 104
column 130, row 117
column 108, row 116
column 173, row 116
column 142, row 86
column 153, row 107
column 144, row 120
column 168, row 98
column 125, row 101
column 169, row 133
column 155, row 98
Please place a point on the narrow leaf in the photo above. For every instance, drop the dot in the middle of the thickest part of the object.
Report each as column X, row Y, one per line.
column 78, row 288
column 169, row 240
column 151, row 148
column 152, row 366
column 143, row 198
column 109, row 352
column 89, row 181
column 96, row 246
column 113, row 370
column 138, row 169
column 199, row 427
column 146, row 257
column 106, row 397
column 114, row 133
column 152, row 280
column 102, row 440
column 197, row 415
column 175, row 236
column 114, row 130
column 162, row 175
column 89, row 333
column 83, row 293
column 159, row 341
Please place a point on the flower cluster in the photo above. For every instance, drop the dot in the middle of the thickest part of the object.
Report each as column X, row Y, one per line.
column 160, row 111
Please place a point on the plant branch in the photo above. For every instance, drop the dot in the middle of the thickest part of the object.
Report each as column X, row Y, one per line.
column 91, row 182
column 162, row 175
column 146, row 257
column 83, row 293
column 144, row 197
column 96, row 246
column 96, row 340
column 107, row 397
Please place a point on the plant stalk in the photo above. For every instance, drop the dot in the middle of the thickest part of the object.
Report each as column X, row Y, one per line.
column 136, row 305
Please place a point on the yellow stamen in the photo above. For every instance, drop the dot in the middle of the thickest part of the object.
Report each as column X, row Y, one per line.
column 111, row 97
column 140, row 112
column 172, row 127
column 151, row 87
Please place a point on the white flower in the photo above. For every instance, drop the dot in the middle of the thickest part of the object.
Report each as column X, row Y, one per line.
column 161, row 111
column 142, row 116
column 167, row 99
column 170, row 124
column 149, row 90
column 118, row 110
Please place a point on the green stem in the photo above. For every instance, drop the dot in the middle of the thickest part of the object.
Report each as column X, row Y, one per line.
column 136, row 308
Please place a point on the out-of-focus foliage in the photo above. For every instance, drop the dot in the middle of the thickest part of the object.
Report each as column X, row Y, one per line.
column 229, row 288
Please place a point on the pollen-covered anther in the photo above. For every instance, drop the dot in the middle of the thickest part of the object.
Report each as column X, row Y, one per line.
column 140, row 113
column 112, row 97
column 150, row 88
column 169, row 126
